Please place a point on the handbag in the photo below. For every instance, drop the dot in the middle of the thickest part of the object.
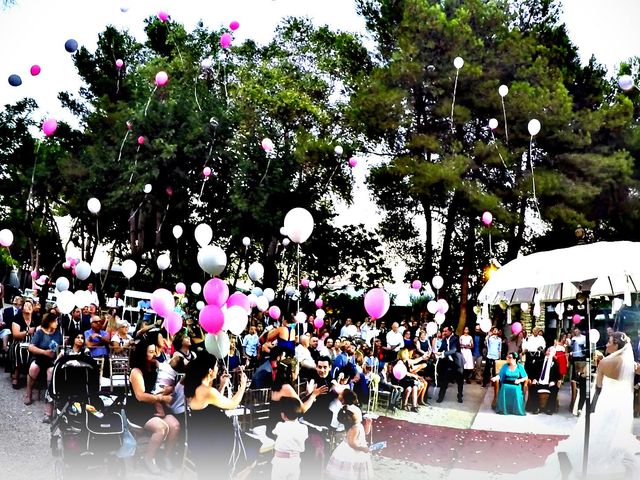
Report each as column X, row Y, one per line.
column 129, row 444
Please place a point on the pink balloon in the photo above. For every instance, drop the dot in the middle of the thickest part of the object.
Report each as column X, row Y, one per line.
column 35, row 70
column 181, row 288
column 49, row 126
column 225, row 40
column 576, row 319
column 516, row 328
column 161, row 79
column 234, row 25
column 162, row 302
column 319, row 303
column 119, row 63
column 267, row 145
column 399, row 370
column 304, row 282
column 416, row 284
column 140, row 140
column 34, row 275
column 487, row 218
column 169, row 191
column 376, row 302
column 206, row 172
column 318, row 323
column 274, row 312
column 173, row 323
column 443, row 306
column 66, row 265
column 241, row 300
column 353, row 162
column 212, row 319
column 129, row 125
column 163, row 16
column 216, row 292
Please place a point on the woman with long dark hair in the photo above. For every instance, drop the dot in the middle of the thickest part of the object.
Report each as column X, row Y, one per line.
column 146, row 409
column 211, row 432
column 23, row 327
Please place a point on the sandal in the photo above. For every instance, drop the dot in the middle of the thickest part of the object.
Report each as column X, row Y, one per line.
column 28, row 400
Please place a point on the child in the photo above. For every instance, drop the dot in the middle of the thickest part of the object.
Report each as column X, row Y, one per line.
column 290, row 437
column 351, row 459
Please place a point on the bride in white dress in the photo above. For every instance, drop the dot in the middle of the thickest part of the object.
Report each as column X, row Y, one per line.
column 614, row 452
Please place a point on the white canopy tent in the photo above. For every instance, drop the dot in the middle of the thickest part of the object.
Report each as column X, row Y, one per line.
column 603, row 268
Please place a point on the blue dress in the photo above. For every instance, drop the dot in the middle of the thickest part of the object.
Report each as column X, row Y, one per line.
column 510, row 396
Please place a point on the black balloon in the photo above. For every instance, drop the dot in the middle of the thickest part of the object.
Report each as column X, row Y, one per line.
column 71, row 45
column 15, row 80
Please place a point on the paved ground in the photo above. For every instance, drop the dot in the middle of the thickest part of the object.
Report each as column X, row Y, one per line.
column 446, row 441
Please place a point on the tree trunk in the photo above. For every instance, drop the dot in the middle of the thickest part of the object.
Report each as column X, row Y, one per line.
column 427, row 268
column 452, row 213
column 467, row 265
column 270, row 265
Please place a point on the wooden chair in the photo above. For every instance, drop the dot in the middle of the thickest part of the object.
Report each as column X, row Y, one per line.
column 375, row 395
column 119, row 369
column 496, row 385
column 257, row 405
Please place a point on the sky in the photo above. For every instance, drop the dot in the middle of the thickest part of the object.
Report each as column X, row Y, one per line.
column 34, row 32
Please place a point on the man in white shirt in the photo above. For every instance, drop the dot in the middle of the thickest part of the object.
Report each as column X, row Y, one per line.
column 303, row 355
column 548, row 379
column 115, row 301
column 394, row 342
column 534, row 346
column 93, row 295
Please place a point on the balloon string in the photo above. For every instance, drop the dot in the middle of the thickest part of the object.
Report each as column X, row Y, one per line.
column 149, row 101
column 166, row 210
column 504, row 113
column 265, row 172
column 97, row 233
column 533, row 178
column 122, row 145
column 195, row 92
column 332, row 174
column 498, row 150
column 453, row 103
column 202, row 189
column 490, row 247
column 135, row 164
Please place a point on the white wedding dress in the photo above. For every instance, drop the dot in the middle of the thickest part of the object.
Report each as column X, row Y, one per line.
column 614, row 452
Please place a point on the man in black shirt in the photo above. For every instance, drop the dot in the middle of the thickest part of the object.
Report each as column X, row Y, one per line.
column 319, row 415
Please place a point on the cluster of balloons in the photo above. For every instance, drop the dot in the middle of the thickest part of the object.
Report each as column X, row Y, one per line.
column 67, row 300
column 438, row 308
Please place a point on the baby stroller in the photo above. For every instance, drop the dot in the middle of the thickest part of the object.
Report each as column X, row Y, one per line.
column 87, row 430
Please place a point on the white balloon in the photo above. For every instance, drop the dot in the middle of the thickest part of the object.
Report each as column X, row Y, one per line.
column 163, row 262
column 256, row 271
column 196, row 288
column 246, row 241
column 147, row 188
column 503, row 90
column 298, row 224
column 65, row 300
column 485, row 325
column 437, row 282
column 257, row 291
column 594, row 335
column 534, row 127
column 270, row 294
column 625, row 82
column 177, row 231
column 559, row 309
column 262, row 304
column 432, row 306
column 235, row 319
column 283, row 231
column 285, row 242
column 6, row 237
column 82, row 298
column 96, row 266
column 217, row 345
column 524, row 307
column 320, row 313
column 440, row 317
column 432, row 328
column 203, row 234
column 301, row 317
column 458, row 62
column 83, row 270
column 212, row 259
column 338, row 150
column 199, row 305
column 312, row 284
column 93, row 204
column 62, row 284
column 253, row 300
column 129, row 268
column 290, row 291
column 206, row 63
column 493, row 123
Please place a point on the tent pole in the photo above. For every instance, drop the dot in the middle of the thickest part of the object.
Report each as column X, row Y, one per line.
column 587, row 418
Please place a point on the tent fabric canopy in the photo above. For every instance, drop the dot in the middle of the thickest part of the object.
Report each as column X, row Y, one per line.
column 604, row 268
